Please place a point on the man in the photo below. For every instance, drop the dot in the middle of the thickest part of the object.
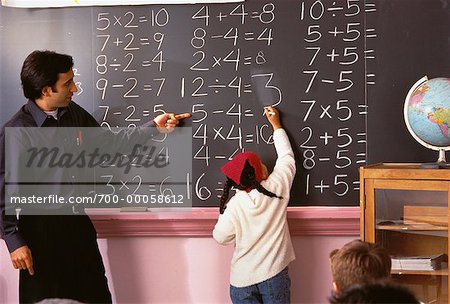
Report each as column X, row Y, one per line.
column 358, row 262
column 58, row 255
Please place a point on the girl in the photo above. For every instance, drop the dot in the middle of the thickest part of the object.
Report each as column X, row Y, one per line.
column 254, row 220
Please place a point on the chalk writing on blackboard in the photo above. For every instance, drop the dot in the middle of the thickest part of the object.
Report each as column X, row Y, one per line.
column 337, row 70
column 225, row 63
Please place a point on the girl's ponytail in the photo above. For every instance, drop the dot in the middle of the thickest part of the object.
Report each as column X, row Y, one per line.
column 224, row 198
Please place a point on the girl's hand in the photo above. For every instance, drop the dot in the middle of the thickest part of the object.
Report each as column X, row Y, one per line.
column 273, row 116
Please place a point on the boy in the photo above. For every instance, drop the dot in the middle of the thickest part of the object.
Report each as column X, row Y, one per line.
column 358, row 262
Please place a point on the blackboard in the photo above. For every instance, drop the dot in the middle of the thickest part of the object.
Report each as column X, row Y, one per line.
column 337, row 70
column 413, row 41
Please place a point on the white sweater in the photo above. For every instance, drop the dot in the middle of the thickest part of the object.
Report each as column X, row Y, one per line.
column 257, row 223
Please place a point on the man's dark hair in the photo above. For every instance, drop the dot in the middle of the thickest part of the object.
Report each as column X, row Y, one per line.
column 382, row 292
column 40, row 69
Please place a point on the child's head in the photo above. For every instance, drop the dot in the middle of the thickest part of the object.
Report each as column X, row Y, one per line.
column 358, row 262
column 244, row 172
column 234, row 169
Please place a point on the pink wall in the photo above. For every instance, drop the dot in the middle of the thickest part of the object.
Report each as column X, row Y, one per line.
column 194, row 269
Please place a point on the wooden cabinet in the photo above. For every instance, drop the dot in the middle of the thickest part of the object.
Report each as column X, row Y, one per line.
column 404, row 208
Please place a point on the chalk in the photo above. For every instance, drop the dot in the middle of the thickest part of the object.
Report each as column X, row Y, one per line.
column 271, row 113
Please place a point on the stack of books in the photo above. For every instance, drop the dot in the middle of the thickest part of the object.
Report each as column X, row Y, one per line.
column 426, row 262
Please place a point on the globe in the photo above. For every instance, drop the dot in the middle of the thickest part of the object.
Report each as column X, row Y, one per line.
column 427, row 114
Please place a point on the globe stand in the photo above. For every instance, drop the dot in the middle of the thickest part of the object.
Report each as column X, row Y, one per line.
column 440, row 164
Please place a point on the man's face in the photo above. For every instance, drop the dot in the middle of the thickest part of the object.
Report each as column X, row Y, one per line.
column 61, row 94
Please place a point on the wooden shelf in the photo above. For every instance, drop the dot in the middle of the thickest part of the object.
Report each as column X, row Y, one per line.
column 412, row 227
column 441, row 272
column 405, row 171
column 405, row 209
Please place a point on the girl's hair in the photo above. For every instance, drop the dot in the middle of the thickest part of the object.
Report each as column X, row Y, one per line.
column 248, row 181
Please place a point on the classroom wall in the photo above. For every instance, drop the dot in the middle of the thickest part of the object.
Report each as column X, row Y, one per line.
column 196, row 270
column 190, row 269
